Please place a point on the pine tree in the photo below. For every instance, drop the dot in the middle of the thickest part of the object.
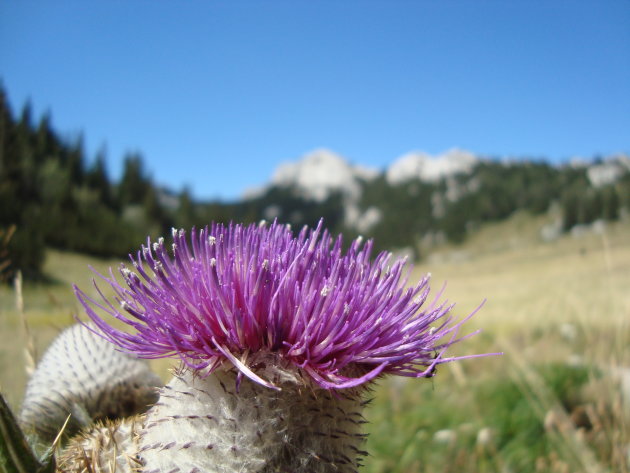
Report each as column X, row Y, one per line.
column 186, row 214
column 134, row 183
column 97, row 179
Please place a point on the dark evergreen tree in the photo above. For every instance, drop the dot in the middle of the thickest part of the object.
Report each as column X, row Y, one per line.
column 18, row 200
column 134, row 182
column 186, row 215
column 153, row 209
column 75, row 161
column 97, row 178
column 610, row 203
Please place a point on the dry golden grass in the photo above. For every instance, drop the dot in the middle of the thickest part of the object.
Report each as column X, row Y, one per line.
column 528, row 283
column 47, row 309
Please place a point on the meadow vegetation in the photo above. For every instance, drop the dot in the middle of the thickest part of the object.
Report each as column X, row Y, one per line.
column 558, row 400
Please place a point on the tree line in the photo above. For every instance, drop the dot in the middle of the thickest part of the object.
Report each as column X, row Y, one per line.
column 492, row 191
column 54, row 196
column 51, row 195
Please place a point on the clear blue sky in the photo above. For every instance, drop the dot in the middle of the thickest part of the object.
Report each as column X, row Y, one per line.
column 216, row 94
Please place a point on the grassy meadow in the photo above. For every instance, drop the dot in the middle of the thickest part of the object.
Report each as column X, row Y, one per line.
column 559, row 311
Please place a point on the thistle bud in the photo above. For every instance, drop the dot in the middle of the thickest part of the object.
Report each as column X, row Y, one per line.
column 84, row 376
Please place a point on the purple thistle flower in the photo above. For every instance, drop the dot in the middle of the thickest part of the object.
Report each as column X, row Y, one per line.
column 242, row 294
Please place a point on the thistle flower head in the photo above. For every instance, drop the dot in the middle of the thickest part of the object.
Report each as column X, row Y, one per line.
column 245, row 295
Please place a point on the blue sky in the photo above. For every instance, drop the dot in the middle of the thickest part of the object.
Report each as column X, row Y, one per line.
column 216, row 94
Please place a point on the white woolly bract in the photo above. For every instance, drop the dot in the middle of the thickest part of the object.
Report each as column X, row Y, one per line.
column 209, row 425
column 83, row 375
column 106, row 448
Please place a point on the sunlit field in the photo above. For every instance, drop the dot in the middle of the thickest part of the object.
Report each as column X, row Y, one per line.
column 552, row 403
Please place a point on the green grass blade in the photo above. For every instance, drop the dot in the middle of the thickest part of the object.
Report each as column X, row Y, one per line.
column 16, row 455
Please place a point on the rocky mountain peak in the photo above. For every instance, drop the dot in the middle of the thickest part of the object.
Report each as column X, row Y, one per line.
column 321, row 172
column 423, row 166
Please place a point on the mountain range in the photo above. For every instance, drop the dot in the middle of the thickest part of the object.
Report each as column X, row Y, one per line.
column 433, row 188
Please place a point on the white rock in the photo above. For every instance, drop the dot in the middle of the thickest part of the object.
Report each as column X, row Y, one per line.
column 420, row 165
column 605, row 173
column 362, row 221
column 321, row 172
column 446, row 436
column 568, row 331
column 485, row 437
